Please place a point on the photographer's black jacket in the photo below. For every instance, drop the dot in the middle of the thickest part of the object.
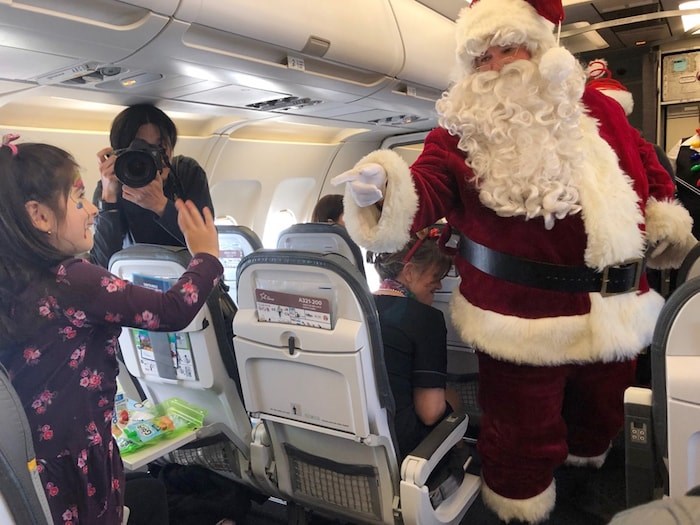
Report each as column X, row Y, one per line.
column 131, row 224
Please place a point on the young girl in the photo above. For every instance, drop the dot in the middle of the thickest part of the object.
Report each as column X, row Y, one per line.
column 60, row 317
column 415, row 338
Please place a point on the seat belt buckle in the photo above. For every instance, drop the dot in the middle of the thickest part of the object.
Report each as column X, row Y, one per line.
column 638, row 264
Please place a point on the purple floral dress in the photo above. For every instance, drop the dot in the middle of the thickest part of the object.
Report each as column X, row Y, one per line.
column 66, row 376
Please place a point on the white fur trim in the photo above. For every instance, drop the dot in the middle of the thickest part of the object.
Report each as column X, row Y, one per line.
column 669, row 221
column 557, row 64
column 611, row 214
column 593, row 461
column 390, row 230
column 497, row 23
column 532, row 510
column 624, row 98
column 618, row 327
column 596, row 68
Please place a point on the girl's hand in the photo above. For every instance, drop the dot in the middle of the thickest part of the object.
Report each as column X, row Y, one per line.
column 199, row 230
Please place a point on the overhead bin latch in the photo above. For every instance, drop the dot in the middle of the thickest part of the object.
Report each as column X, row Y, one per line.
column 316, row 46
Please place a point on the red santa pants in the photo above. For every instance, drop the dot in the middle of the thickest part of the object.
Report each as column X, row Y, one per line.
column 533, row 416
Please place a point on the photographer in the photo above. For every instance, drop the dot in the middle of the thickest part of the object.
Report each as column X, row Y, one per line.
column 137, row 200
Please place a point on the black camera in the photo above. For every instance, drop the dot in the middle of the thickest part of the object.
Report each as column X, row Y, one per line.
column 137, row 165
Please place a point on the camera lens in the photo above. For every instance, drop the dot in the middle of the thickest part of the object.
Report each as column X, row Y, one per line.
column 138, row 165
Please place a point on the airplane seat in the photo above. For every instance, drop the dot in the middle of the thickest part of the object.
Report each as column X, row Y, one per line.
column 22, row 497
column 662, row 424
column 462, row 363
column 308, row 344
column 690, row 267
column 322, row 237
column 234, row 243
column 197, row 365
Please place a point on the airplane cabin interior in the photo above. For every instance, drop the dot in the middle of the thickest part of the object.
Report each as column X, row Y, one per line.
column 274, row 98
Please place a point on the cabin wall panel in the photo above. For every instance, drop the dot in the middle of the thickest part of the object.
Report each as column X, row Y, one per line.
column 270, row 163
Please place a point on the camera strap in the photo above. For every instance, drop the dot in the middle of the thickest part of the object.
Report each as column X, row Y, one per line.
column 178, row 190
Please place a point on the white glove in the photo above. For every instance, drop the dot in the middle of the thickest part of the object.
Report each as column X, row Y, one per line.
column 660, row 248
column 367, row 183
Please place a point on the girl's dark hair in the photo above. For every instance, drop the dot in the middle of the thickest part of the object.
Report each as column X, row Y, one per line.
column 127, row 123
column 427, row 255
column 328, row 209
column 37, row 172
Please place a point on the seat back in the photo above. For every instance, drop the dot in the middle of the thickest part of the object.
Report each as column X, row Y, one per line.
column 690, row 268
column 196, row 364
column 308, row 344
column 323, row 238
column 22, row 497
column 462, row 363
column 675, row 361
column 234, row 243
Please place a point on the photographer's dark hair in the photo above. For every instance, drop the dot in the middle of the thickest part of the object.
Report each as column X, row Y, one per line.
column 425, row 256
column 329, row 208
column 46, row 174
column 127, row 123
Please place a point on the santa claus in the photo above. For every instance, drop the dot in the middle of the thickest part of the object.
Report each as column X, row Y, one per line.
column 557, row 199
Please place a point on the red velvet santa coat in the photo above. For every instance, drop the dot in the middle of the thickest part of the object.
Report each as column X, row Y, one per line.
column 622, row 189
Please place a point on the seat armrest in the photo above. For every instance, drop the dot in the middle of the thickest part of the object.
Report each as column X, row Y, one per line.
column 419, row 464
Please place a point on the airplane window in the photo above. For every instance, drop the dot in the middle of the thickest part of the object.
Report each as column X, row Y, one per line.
column 223, row 220
column 276, row 223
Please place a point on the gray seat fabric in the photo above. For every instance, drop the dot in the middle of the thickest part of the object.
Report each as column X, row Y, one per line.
column 235, row 242
column 675, row 361
column 24, row 499
column 690, row 267
column 322, row 237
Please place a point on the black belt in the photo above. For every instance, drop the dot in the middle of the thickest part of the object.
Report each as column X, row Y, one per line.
column 615, row 279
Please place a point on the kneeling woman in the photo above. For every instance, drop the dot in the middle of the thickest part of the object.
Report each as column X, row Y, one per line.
column 415, row 338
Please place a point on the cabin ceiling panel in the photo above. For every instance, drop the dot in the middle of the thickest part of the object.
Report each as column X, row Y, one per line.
column 8, row 86
column 22, row 64
column 234, row 96
column 97, row 30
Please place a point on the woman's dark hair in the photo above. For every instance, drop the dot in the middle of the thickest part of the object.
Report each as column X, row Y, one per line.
column 127, row 123
column 328, row 209
column 426, row 255
column 37, row 172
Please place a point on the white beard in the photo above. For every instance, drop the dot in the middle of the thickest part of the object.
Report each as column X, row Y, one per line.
column 522, row 139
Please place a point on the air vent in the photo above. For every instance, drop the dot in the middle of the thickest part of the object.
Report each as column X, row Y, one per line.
column 285, row 104
column 640, row 35
column 68, row 74
column 87, row 73
column 396, row 120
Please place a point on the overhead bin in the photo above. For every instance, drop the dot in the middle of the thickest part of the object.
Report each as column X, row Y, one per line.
column 50, row 35
column 429, row 46
column 361, row 34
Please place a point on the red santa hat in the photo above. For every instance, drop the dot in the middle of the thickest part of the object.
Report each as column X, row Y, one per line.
column 488, row 23
column 600, row 78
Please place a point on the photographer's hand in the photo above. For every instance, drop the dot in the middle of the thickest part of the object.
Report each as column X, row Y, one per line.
column 110, row 184
column 150, row 196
